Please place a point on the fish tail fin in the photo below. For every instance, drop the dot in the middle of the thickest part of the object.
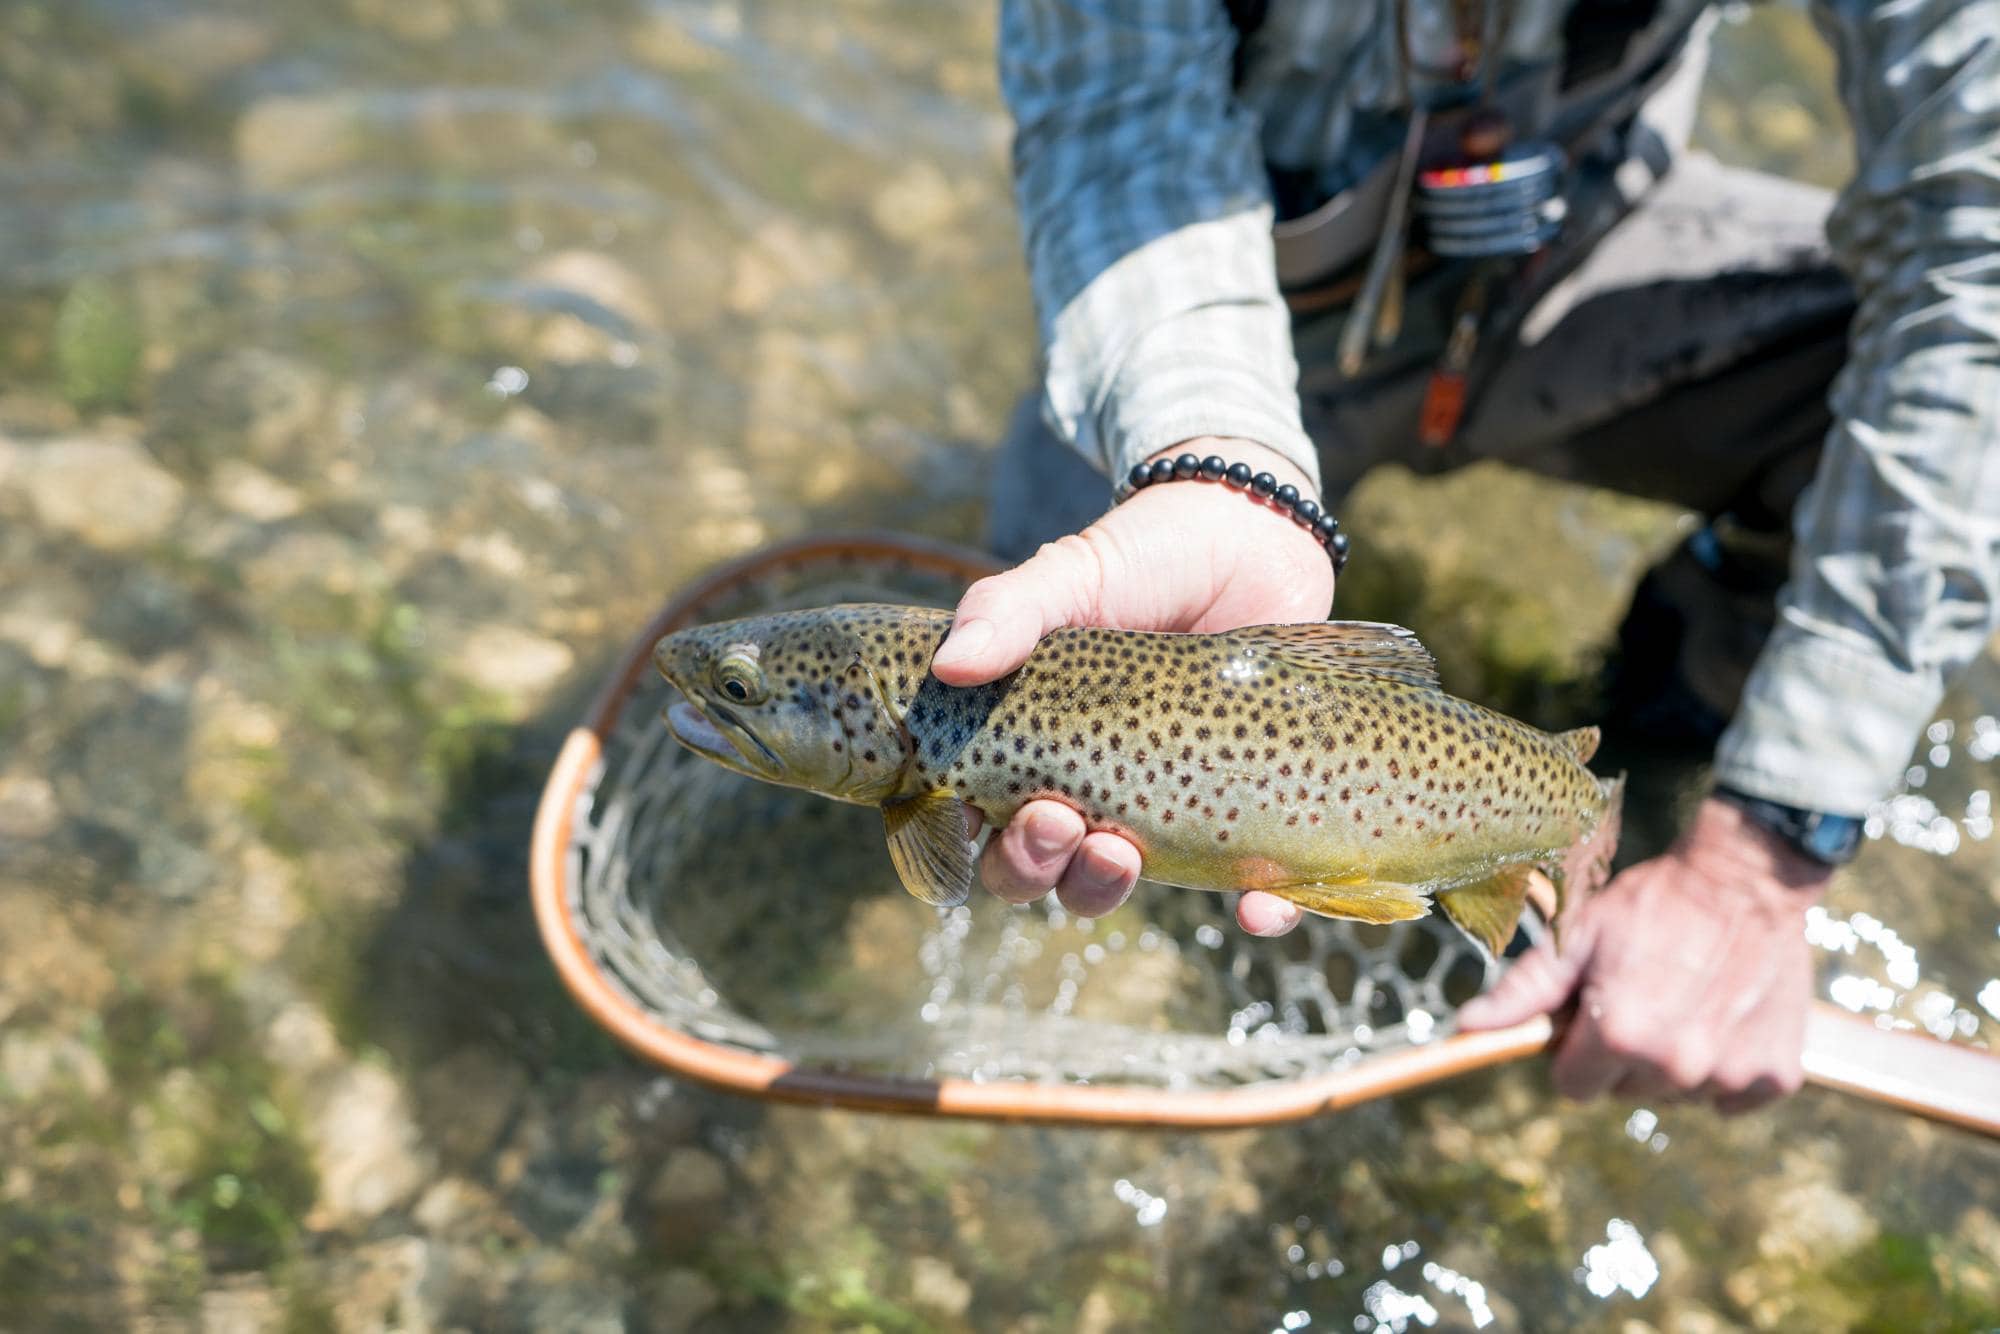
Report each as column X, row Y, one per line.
column 1488, row 910
column 1585, row 868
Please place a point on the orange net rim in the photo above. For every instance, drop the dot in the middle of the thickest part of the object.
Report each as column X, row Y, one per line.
column 1914, row 1072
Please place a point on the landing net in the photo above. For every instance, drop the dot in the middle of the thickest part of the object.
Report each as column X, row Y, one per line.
column 767, row 923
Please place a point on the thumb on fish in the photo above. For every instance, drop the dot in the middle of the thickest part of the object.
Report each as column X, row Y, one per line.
column 1003, row 616
column 1538, row 983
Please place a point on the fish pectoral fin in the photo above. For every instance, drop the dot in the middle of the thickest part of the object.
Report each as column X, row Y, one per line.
column 928, row 844
column 1488, row 910
column 1362, row 901
column 1374, row 648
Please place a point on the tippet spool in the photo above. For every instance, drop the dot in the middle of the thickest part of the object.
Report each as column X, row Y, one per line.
column 1511, row 205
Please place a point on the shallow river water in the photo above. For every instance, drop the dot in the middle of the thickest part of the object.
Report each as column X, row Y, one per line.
column 369, row 371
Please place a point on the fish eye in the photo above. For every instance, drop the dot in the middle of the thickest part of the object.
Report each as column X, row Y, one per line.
column 741, row 679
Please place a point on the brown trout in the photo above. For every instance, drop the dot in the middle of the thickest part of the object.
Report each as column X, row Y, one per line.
column 1321, row 763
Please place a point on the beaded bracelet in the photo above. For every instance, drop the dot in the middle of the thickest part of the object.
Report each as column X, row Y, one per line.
column 1305, row 512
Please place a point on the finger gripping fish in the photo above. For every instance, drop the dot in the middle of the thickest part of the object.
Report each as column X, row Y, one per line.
column 1321, row 763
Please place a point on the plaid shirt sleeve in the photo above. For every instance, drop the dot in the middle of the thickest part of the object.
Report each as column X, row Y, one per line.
column 1147, row 217
column 1896, row 576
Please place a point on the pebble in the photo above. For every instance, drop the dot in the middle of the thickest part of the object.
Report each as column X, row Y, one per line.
column 242, row 1304
column 689, row 1179
column 936, row 1284
column 33, row 1063
column 677, row 1299
column 321, row 561
column 286, row 141
column 599, row 278
column 366, row 1148
column 28, row 807
column 253, row 493
column 105, row 491
column 513, row 662
column 476, row 1093
column 918, row 204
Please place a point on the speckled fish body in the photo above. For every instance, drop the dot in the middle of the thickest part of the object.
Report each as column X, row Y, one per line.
column 1319, row 762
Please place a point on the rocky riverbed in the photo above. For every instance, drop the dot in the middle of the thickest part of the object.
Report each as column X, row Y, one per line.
column 369, row 372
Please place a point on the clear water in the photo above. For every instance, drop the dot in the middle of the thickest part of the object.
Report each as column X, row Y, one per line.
column 368, row 371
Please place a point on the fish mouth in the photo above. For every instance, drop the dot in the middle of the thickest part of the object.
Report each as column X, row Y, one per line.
column 717, row 734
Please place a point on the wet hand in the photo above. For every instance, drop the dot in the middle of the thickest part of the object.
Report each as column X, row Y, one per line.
column 1190, row 556
column 1690, row 972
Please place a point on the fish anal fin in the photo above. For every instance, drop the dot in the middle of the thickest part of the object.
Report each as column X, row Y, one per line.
column 927, row 843
column 1362, row 901
column 1488, row 910
column 1580, row 742
column 1374, row 648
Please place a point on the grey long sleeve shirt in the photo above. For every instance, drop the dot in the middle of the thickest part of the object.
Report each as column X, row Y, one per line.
column 1140, row 174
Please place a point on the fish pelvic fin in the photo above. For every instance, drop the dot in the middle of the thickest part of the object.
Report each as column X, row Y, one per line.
column 927, row 843
column 1372, row 648
column 1488, row 910
column 1580, row 742
column 1362, row 901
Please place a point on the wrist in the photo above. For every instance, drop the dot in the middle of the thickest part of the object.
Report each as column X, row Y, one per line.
column 1724, row 841
column 1259, row 458
column 1245, row 473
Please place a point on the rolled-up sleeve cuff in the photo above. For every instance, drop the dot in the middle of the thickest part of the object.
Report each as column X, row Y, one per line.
column 1824, row 725
column 1184, row 336
column 1203, row 373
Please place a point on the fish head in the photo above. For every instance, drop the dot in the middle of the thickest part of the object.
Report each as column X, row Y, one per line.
column 791, row 698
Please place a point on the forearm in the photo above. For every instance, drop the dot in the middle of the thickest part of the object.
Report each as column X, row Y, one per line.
column 1896, row 580
column 1146, row 216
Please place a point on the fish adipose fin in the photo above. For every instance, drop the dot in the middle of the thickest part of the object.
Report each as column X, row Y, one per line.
column 928, row 844
column 1375, row 648
column 1488, row 910
column 1366, row 901
column 1580, row 742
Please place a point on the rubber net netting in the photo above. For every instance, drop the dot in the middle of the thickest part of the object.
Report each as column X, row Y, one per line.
column 771, row 920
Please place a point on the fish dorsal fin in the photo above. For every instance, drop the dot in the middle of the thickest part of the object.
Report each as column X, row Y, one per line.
column 1580, row 742
column 1372, row 647
column 928, row 844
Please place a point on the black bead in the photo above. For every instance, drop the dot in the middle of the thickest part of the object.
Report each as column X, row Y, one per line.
column 1326, row 526
column 1139, row 476
column 1263, row 484
column 1213, row 467
column 1238, row 475
column 1337, row 544
column 1162, row 470
column 1306, row 512
column 1287, row 496
column 1186, row 466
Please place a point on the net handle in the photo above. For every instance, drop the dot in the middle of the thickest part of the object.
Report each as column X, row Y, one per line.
column 1941, row 1081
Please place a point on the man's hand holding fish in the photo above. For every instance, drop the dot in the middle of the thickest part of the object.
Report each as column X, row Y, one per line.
column 1171, row 558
